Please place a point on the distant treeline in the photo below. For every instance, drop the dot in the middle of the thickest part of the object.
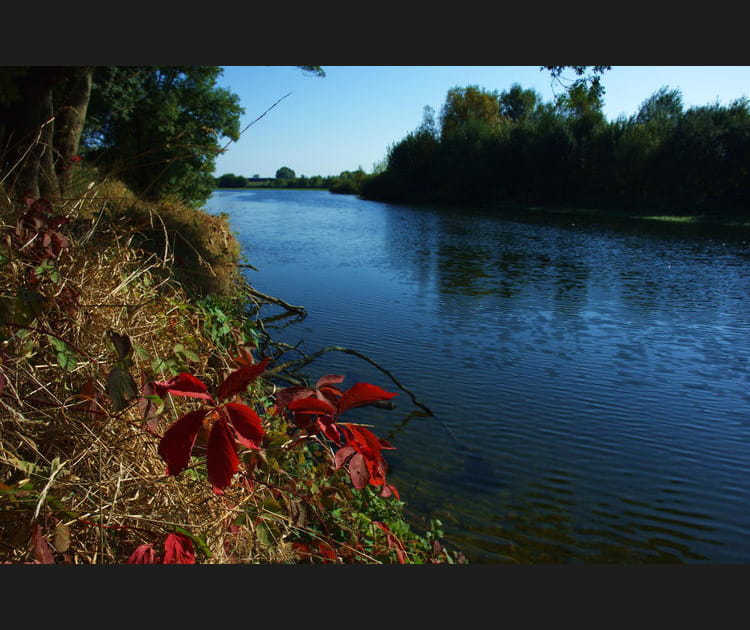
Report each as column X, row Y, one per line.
column 512, row 148
column 347, row 182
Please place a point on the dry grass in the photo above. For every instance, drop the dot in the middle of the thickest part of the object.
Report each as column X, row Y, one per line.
column 91, row 477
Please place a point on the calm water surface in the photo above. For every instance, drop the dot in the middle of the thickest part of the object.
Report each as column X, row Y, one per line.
column 590, row 381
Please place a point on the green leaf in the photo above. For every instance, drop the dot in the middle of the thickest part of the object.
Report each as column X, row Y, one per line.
column 164, row 366
column 140, row 351
column 197, row 540
column 121, row 387
column 66, row 358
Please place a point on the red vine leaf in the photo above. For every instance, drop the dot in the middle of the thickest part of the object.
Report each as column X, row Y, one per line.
column 390, row 490
column 314, row 406
column 179, row 439
column 246, row 423
column 343, row 455
column 393, row 541
column 178, row 549
column 358, row 471
column 42, row 549
column 238, row 380
column 329, row 379
column 183, row 384
column 288, row 394
column 362, row 394
column 143, row 554
column 222, row 457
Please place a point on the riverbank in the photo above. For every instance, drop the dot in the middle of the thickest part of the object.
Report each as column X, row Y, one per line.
column 103, row 306
column 725, row 220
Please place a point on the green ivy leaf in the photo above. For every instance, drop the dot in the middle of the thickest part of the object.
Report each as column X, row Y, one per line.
column 66, row 358
column 121, row 387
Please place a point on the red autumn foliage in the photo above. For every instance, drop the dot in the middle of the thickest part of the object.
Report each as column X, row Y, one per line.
column 178, row 549
column 230, row 422
column 37, row 234
column 318, row 410
column 42, row 550
column 144, row 554
column 393, row 541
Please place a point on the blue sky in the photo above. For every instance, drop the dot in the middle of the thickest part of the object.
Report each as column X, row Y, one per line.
column 350, row 117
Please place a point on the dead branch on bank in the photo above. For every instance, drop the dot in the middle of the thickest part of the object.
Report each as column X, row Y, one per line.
column 285, row 367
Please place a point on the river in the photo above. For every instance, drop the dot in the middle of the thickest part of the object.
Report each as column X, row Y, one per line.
column 590, row 379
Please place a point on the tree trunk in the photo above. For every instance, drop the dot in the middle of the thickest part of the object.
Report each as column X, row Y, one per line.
column 69, row 120
column 37, row 145
column 27, row 124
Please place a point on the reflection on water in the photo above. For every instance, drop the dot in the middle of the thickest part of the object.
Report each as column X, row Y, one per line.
column 589, row 378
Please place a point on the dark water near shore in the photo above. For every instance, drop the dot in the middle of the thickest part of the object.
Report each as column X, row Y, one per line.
column 590, row 379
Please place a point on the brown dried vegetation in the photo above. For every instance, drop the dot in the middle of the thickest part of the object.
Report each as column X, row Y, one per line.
column 80, row 478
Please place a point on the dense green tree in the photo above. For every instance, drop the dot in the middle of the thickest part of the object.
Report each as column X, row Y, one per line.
column 565, row 152
column 471, row 103
column 160, row 128
column 518, row 104
column 230, row 180
column 662, row 110
column 285, row 173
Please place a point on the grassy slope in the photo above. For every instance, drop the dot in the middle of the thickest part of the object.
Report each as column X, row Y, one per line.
column 80, row 477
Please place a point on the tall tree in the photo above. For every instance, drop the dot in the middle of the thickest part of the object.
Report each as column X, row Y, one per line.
column 518, row 104
column 469, row 103
column 663, row 108
column 285, row 173
column 160, row 128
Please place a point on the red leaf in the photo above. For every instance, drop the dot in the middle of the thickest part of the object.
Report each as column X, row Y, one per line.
column 362, row 394
column 183, row 385
column 143, row 554
column 146, row 407
column 376, row 467
column 329, row 379
column 178, row 549
column 288, row 394
column 342, row 455
column 393, row 541
column 238, row 380
column 179, row 439
column 328, row 553
column 329, row 429
column 311, row 405
column 329, row 393
column 358, row 471
column 368, row 445
column 222, row 456
column 390, row 490
column 245, row 357
column 302, row 549
column 42, row 549
column 247, row 424
column 362, row 438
